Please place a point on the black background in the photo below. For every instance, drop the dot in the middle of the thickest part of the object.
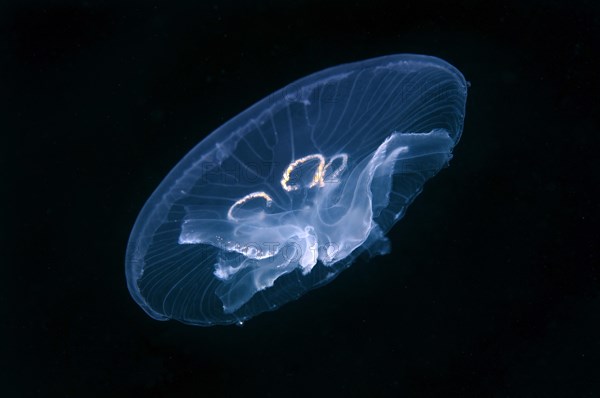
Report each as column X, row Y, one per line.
column 492, row 288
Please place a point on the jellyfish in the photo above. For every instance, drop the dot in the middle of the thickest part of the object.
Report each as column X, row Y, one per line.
column 284, row 196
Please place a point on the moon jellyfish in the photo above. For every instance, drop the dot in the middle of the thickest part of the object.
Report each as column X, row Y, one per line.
column 284, row 196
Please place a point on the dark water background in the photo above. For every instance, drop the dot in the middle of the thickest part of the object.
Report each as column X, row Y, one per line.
column 492, row 288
